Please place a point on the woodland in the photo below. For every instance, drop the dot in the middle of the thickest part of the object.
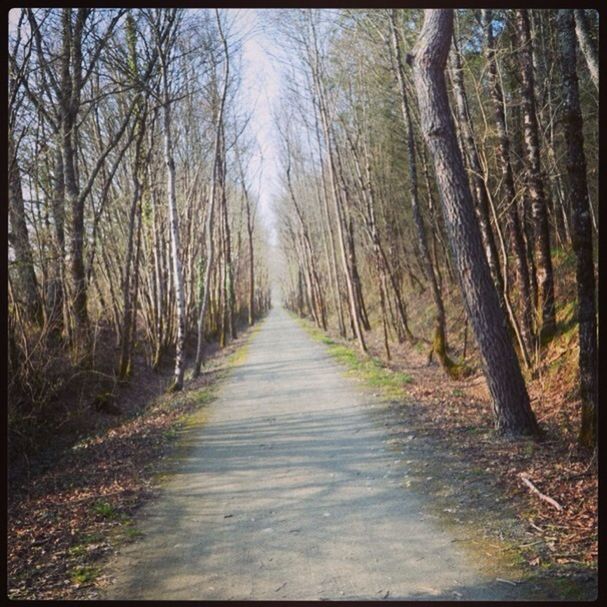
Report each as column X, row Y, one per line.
column 435, row 206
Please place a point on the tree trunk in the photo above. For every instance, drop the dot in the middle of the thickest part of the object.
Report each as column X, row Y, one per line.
column 334, row 274
column 517, row 243
column 440, row 333
column 589, row 50
column 535, row 185
column 513, row 414
column 250, row 221
column 174, row 228
column 337, row 202
column 581, row 229
column 124, row 367
column 71, row 62
column 209, row 222
column 354, row 311
column 479, row 185
column 20, row 239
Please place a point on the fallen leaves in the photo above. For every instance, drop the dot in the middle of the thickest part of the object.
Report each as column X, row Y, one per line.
column 458, row 415
column 65, row 519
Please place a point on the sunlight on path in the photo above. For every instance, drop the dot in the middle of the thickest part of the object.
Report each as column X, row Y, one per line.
column 290, row 493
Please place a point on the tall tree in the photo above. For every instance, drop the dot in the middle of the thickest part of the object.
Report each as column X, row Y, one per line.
column 124, row 365
column 219, row 107
column 440, row 339
column 20, row 239
column 165, row 39
column 513, row 414
column 534, row 180
column 316, row 67
column 589, row 50
column 581, row 228
column 517, row 243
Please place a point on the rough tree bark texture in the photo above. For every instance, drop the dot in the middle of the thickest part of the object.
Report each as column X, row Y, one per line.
column 581, row 228
column 71, row 84
column 439, row 343
column 535, row 184
column 476, row 174
column 513, row 414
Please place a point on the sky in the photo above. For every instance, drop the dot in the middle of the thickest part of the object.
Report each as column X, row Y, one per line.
column 260, row 92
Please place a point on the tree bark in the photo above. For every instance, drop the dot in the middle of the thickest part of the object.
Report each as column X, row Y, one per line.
column 535, row 185
column 335, row 279
column 71, row 84
column 20, row 239
column 517, row 243
column 439, row 343
column 513, row 414
column 354, row 311
column 589, row 50
column 173, row 223
column 581, row 229
column 479, row 185
column 209, row 221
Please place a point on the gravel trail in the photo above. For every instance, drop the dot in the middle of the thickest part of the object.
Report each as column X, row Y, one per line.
column 289, row 492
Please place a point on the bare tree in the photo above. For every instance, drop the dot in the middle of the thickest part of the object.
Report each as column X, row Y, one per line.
column 209, row 222
column 164, row 31
column 534, row 180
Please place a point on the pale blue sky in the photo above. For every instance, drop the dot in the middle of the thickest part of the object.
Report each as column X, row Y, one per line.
column 260, row 93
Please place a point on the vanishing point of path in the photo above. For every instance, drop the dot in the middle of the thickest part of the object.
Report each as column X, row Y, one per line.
column 289, row 492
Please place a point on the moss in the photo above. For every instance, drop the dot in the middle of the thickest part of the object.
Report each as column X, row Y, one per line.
column 105, row 510
column 84, row 575
column 238, row 357
column 77, row 550
column 453, row 369
column 132, row 533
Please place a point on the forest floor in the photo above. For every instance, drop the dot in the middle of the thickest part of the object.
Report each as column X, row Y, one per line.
column 73, row 503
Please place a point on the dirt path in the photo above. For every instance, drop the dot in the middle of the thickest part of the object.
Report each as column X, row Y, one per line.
column 289, row 492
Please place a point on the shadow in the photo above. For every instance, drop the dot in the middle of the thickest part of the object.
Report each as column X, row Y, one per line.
column 290, row 491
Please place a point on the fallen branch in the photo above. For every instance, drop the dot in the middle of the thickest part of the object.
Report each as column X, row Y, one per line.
column 499, row 579
column 535, row 490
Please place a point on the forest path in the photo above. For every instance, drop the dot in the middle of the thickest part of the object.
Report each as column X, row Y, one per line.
column 289, row 491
